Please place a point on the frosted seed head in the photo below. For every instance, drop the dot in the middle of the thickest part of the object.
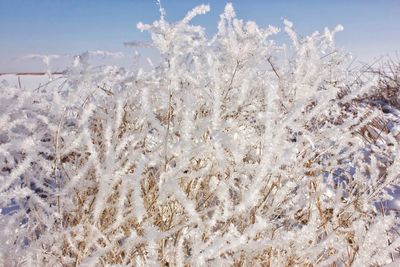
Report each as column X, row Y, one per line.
column 229, row 11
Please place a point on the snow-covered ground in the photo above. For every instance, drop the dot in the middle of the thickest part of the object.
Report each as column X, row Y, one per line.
column 29, row 81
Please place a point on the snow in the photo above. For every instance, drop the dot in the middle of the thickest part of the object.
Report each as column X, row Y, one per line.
column 229, row 150
column 29, row 81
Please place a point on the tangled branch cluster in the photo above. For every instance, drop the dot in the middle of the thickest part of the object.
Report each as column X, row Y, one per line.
column 234, row 151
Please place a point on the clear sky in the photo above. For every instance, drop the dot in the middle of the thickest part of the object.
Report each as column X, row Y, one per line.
column 372, row 27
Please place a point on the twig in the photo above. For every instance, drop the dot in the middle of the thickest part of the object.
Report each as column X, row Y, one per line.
column 19, row 82
column 167, row 133
column 327, row 55
column 273, row 68
column 232, row 78
column 108, row 92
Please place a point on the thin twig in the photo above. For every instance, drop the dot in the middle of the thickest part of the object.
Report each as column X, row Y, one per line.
column 273, row 68
column 232, row 78
column 167, row 133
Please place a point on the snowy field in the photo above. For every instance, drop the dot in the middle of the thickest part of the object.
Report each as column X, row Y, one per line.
column 29, row 82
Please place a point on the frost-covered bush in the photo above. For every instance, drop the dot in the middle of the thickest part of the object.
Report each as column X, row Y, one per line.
column 235, row 150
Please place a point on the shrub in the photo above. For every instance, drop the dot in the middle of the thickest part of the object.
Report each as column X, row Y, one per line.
column 235, row 150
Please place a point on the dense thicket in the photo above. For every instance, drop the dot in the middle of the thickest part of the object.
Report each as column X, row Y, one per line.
column 234, row 150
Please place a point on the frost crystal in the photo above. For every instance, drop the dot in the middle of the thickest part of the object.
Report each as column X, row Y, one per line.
column 234, row 150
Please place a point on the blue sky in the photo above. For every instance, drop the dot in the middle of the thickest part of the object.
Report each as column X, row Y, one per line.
column 372, row 27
